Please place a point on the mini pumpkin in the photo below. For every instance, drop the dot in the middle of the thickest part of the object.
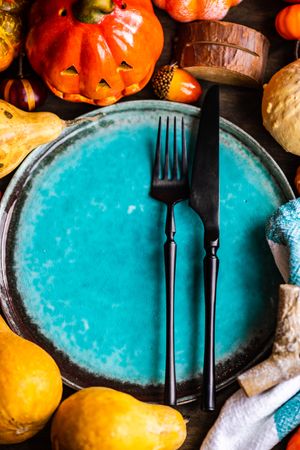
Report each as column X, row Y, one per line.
column 294, row 442
column 10, row 38
column 288, row 22
column 26, row 93
column 189, row 10
column 10, row 30
column 94, row 51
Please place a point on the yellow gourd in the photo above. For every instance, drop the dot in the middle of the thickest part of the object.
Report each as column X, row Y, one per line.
column 30, row 387
column 21, row 132
column 281, row 107
column 101, row 418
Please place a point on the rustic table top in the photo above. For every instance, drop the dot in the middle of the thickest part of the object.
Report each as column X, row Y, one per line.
column 242, row 107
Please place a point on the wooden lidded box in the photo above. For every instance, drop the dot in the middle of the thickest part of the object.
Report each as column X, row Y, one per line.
column 222, row 52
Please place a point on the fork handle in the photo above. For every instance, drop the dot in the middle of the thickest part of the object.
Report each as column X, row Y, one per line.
column 211, row 268
column 170, row 248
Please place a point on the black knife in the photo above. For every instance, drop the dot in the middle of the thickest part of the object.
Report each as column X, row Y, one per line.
column 205, row 200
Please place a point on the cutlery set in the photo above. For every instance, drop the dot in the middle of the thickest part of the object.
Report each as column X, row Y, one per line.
column 170, row 185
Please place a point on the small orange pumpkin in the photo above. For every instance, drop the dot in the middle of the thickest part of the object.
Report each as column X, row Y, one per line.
column 189, row 10
column 94, row 51
column 294, row 442
column 288, row 22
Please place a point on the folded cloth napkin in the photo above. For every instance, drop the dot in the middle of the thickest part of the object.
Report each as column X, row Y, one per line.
column 260, row 422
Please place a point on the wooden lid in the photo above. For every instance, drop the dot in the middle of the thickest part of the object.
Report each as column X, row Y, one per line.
column 222, row 52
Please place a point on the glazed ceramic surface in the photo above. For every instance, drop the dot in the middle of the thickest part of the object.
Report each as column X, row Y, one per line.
column 82, row 267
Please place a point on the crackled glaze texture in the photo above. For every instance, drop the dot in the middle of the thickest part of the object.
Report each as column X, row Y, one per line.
column 88, row 249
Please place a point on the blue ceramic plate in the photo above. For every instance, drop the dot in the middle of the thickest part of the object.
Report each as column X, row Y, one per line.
column 82, row 254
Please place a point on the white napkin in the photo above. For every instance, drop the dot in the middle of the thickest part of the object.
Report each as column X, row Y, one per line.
column 256, row 423
column 260, row 422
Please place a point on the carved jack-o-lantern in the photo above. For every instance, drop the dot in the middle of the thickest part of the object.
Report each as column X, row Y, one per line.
column 94, row 51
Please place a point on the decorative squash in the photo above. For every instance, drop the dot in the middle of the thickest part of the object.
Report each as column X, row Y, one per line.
column 10, row 30
column 21, row 132
column 94, row 51
column 30, row 385
column 10, row 38
column 281, row 107
column 99, row 417
column 24, row 93
column 189, row 10
column 288, row 22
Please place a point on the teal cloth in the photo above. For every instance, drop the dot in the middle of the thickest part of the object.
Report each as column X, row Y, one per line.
column 288, row 416
column 283, row 228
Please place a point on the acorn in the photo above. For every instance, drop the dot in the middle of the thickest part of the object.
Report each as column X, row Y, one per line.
column 24, row 93
column 177, row 85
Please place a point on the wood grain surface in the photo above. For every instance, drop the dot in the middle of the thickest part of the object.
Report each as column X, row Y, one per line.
column 242, row 107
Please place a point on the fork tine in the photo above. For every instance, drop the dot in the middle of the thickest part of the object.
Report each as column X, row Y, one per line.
column 175, row 160
column 156, row 167
column 184, row 152
column 166, row 169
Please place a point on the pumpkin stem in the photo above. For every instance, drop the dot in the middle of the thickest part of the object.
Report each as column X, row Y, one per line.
column 92, row 11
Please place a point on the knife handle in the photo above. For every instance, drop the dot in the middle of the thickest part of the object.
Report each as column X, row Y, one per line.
column 211, row 268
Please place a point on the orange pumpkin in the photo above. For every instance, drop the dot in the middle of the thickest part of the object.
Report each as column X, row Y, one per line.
column 294, row 442
column 94, row 51
column 288, row 22
column 189, row 10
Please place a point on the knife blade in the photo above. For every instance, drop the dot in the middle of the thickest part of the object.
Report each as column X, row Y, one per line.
column 205, row 200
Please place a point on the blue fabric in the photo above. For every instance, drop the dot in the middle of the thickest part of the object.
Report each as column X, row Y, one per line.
column 288, row 416
column 284, row 228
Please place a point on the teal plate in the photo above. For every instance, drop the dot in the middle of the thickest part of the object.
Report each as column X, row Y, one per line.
column 82, row 254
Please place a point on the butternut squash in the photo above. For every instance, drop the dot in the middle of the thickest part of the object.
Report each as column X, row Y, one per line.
column 102, row 418
column 30, row 386
column 21, row 132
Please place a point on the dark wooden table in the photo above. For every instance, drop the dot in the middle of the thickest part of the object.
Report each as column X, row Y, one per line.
column 242, row 107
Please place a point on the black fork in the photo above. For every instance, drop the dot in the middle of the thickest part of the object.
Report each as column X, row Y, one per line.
column 170, row 185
